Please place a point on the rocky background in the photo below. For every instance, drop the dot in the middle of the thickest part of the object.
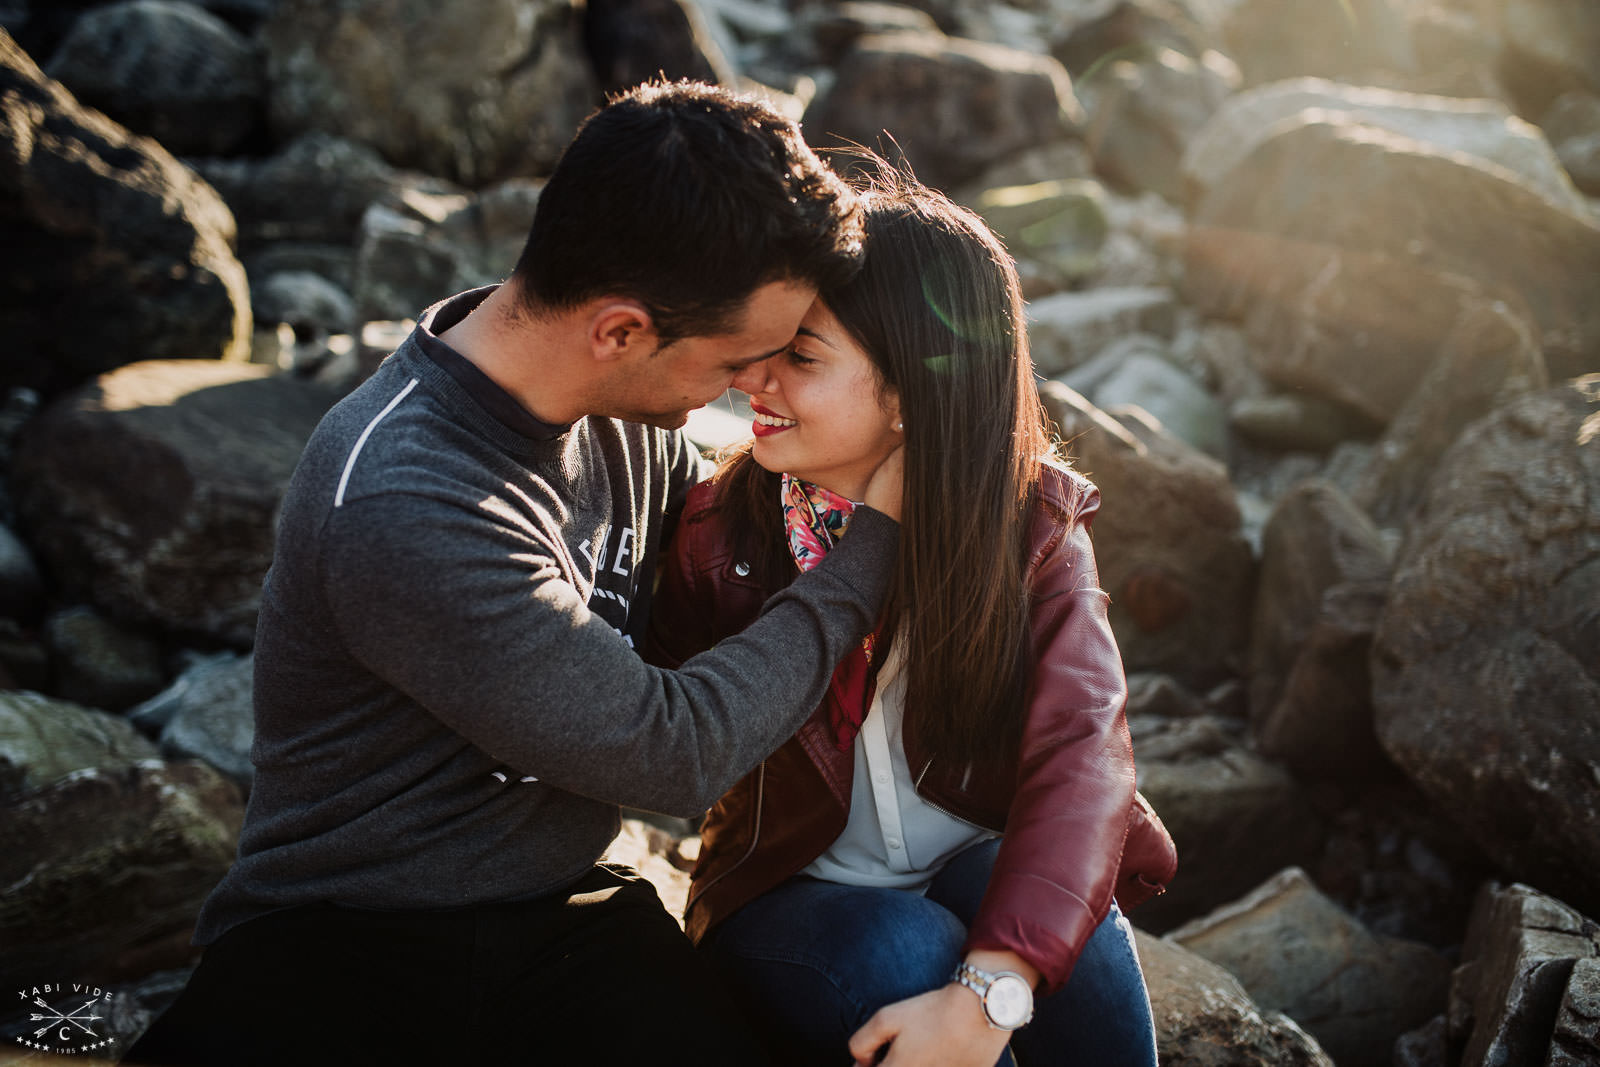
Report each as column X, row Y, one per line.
column 1315, row 287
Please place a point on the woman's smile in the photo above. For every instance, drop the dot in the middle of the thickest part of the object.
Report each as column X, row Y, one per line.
column 768, row 422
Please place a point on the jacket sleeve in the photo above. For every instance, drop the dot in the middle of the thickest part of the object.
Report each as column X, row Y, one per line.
column 1057, row 866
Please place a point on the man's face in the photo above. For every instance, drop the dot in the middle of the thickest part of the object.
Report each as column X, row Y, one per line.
column 662, row 388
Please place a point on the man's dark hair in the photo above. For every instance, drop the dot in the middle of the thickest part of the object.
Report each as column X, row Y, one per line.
column 686, row 197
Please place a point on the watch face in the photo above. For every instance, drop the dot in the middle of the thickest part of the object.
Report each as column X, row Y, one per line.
column 1009, row 1001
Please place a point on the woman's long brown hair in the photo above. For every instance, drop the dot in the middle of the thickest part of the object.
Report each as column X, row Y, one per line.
column 938, row 308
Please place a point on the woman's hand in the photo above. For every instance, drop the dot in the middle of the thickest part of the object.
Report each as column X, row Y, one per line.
column 886, row 487
column 944, row 1028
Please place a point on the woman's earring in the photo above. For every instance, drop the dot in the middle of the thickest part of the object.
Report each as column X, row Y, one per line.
column 899, row 426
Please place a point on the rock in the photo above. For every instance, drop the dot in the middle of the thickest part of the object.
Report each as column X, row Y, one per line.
column 1162, row 695
column 836, row 28
column 1136, row 370
column 1324, row 577
column 309, row 303
column 1167, row 540
column 413, row 253
column 1058, row 225
column 1457, row 53
column 1204, row 1018
column 315, row 189
column 207, row 714
column 1133, row 27
column 1056, row 161
column 24, row 660
column 21, row 585
column 1143, row 114
column 170, row 70
column 1426, row 1046
column 1550, row 48
column 99, row 663
column 1295, row 421
column 659, row 856
column 476, row 92
column 151, row 491
column 952, row 106
column 1296, row 951
column 1520, row 955
column 1483, row 129
column 1576, row 1038
column 105, row 866
column 43, row 740
column 1274, row 39
column 1235, row 817
column 1067, row 329
column 1573, row 126
column 1489, row 358
column 1351, row 305
column 134, row 251
column 632, row 41
column 1221, row 352
column 1491, row 614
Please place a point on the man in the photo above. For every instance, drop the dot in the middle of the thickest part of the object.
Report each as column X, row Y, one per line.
column 448, row 708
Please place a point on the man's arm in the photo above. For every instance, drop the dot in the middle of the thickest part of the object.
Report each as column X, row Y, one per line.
column 474, row 621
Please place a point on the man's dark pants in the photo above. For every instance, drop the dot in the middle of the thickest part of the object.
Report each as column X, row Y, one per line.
column 597, row 974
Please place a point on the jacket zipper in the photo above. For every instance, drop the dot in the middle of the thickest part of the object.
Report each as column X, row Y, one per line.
column 917, row 785
column 755, row 838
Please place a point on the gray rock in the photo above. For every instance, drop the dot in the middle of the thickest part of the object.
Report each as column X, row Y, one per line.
column 836, row 28
column 24, row 659
column 132, row 249
column 100, row 663
column 1550, row 48
column 1168, row 542
column 1426, row 1046
column 1150, row 693
column 632, row 41
column 1490, row 614
column 1174, row 399
column 413, row 252
column 170, row 70
column 1058, row 225
column 207, row 714
column 1067, row 329
column 1274, row 39
column 1143, row 114
column 1204, row 1018
column 1573, row 126
column 1055, row 161
column 152, row 490
column 476, row 92
column 1351, row 305
column 105, row 867
column 1295, row 421
column 21, row 584
column 314, row 190
column 1235, row 817
column 43, row 740
column 1488, row 359
column 1296, row 951
column 1486, row 130
column 309, row 303
column 1516, row 965
column 1136, row 27
column 1324, row 577
column 1576, row 1038
column 953, row 106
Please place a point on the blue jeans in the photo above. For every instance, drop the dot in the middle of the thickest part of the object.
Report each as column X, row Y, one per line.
column 816, row 959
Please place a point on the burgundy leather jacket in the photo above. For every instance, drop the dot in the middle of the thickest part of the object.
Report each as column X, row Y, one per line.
column 1074, row 829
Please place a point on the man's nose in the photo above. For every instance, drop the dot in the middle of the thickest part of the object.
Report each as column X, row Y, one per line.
column 752, row 379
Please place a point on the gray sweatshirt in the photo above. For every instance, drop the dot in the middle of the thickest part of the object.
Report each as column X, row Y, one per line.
column 448, row 706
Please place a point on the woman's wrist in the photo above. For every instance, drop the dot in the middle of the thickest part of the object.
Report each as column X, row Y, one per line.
column 995, row 960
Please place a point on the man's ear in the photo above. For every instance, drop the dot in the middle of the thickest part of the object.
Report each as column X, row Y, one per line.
column 620, row 328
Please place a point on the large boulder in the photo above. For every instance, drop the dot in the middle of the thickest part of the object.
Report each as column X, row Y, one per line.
column 473, row 91
column 631, row 41
column 1350, row 253
column 1204, row 1017
column 1273, row 39
column 1519, row 993
column 100, row 663
column 1167, row 538
column 170, row 70
column 1573, row 125
column 1236, row 818
column 953, row 106
column 1324, row 577
column 1296, row 951
column 151, row 491
column 43, row 740
column 207, row 714
column 1550, row 48
column 1486, row 663
column 1484, row 129
column 1141, row 370
column 115, row 252
column 1067, row 329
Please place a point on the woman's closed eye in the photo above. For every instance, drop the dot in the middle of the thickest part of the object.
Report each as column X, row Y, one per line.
column 800, row 359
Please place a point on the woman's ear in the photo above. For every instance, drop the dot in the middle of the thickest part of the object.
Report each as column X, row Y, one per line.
column 891, row 407
column 620, row 328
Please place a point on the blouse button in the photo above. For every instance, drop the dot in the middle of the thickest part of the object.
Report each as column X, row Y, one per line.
column 742, row 569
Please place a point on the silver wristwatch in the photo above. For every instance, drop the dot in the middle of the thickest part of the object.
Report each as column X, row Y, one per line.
column 1007, row 997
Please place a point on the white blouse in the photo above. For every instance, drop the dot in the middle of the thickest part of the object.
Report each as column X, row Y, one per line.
column 894, row 839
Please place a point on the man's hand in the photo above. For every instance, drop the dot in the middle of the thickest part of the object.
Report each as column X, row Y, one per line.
column 944, row 1028
column 886, row 488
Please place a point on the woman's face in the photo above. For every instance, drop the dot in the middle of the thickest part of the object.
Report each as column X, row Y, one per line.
column 819, row 415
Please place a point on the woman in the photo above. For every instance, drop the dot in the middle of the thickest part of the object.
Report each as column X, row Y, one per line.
column 846, row 879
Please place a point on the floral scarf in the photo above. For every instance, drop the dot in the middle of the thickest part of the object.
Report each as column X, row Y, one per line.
column 815, row 518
